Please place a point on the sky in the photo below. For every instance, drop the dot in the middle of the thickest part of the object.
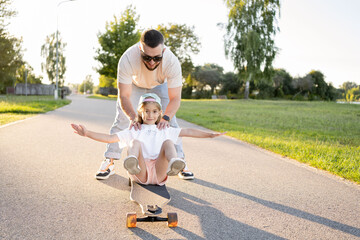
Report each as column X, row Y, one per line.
column 321, row 35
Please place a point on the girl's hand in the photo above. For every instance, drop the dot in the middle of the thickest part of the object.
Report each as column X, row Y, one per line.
column 217, row 134
column 79, row 129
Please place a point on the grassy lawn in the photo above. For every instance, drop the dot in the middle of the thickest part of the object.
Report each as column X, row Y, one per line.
column 14, row 108
column 321, row 134
column 98, row 96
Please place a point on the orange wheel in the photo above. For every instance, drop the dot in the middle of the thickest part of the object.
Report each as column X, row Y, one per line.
column 131, row 220
column 172, row 219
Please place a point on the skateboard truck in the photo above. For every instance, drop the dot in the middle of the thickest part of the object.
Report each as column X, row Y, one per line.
column 171, row 219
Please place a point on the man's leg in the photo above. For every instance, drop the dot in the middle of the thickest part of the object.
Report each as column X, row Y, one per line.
column 121, row 122
column 113, row 152
column 162, row 92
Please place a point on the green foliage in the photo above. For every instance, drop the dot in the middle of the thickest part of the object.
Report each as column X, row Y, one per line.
column 350, row 91
column 10, row 49
column 249, row 40
column 208, row 75
column 87, row 85
column 353, row 94
column 322, row 134
column 5, row 12
column 182, row 41
column 31, row 78
column 230, row 84
column 48, row 52
column 107, row 82
column 10, row 60
column 119, row 35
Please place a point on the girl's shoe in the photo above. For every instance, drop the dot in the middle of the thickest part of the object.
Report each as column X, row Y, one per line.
column 131, row 164
column 175, row 166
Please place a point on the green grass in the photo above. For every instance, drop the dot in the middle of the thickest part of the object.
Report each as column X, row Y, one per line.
column 98, row 96
column 14, row 108
column 321, row 134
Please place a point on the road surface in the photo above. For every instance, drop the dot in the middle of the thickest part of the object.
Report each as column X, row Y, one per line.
column 48, row 189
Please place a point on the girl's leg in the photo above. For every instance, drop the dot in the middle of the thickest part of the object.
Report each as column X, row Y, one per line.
column 135, row 150
column 167, row 154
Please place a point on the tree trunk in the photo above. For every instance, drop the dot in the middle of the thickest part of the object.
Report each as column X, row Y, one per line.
column 247, row 87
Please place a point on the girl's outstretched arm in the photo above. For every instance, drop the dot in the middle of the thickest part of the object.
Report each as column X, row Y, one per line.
column 196, row 133
column 100, row 137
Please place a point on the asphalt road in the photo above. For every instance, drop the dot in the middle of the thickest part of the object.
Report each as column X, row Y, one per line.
column 48, row 189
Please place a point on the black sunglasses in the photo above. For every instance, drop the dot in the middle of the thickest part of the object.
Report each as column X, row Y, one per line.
column 147, row 58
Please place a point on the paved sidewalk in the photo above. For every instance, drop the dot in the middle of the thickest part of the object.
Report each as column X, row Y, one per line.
column 48, row 189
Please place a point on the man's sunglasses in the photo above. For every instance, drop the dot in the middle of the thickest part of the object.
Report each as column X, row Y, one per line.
column 147, row 58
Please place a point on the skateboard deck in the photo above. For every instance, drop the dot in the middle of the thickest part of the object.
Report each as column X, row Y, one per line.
column 151, row 199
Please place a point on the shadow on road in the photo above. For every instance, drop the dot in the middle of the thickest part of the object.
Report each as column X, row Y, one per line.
column 285, row 209
column 214, row 224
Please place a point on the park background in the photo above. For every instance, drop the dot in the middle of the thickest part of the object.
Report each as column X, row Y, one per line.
column 319, row 36
column 314, row 129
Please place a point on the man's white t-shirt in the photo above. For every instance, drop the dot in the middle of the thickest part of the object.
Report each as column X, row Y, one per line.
column 151, row 138
column 131, row 69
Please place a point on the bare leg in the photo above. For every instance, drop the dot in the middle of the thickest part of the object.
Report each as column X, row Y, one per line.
column 167, row 152
column 135, row 149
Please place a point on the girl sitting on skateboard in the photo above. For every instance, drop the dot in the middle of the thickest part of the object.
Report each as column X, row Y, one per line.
column 151, row 152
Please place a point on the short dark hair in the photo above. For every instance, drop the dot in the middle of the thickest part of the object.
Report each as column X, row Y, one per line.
column 152, row 38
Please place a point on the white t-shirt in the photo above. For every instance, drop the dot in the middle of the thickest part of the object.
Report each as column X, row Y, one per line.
column 151, row 138
column 131, row 69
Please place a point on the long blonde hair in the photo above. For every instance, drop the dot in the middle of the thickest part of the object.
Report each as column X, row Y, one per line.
column 140, row 110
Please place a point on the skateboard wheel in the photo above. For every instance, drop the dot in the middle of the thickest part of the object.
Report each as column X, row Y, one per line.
column 172, row 219
column 131, row 220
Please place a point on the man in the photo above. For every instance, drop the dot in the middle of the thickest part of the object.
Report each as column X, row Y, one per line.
column 146, row 67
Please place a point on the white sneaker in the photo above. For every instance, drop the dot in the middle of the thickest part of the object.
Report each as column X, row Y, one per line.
column 106, row 170
column 175, row 166
column 131, row 164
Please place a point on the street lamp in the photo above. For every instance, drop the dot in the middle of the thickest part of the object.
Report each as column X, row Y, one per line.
column 57, row 49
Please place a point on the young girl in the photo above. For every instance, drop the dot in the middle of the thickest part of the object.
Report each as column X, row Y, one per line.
column 151, row 152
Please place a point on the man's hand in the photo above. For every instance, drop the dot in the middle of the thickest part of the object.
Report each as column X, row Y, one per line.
column 163, row 124
column 135, row 124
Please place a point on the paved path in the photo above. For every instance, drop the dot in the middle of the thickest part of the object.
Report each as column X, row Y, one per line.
column 48, row 190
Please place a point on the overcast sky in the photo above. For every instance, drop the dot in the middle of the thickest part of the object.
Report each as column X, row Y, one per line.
column 322, row 35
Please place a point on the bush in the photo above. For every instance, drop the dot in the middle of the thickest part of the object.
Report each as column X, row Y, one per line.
column 186, row 92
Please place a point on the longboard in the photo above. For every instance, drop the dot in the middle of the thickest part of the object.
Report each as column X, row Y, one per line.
column 151, row 198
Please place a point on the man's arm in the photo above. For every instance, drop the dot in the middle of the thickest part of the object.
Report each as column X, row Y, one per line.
column 124, row 98
column 172, row 107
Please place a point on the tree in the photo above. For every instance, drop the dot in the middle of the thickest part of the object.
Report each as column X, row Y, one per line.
column 119, row 35
column 48, row 52
column 230, row 83
column 107, row 82
column 320, row 86
column 353, row 94
column 182, row 41
column 87, row 85
column 249, row 39
column 208, row 75
column 348, row 85
column 10, row 60
column 283, row 81
column 10, row 49
column 304, row 85
column 5, row 12
column 27, row 70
